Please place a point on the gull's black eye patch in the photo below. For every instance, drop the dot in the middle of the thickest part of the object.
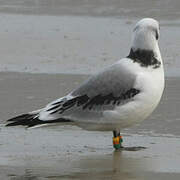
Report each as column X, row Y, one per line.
column 157, row 35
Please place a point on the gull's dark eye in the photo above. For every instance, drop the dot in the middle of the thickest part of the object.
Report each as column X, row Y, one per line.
column 157, row 35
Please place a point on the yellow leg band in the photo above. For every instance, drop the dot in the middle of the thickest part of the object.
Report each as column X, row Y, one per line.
column 116, row 140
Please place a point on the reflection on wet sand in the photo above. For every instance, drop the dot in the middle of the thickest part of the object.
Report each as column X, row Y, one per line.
column 113, row 166
column 82, row 163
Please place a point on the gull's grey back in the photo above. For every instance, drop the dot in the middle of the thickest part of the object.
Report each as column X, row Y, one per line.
column 113, row 80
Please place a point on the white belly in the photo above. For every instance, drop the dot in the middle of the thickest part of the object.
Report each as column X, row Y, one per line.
column 151, row 86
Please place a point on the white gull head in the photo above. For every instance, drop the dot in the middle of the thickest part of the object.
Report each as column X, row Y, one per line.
column 146, row 35
column 144, row 48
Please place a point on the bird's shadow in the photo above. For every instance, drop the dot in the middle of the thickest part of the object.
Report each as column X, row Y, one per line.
column 133, row 148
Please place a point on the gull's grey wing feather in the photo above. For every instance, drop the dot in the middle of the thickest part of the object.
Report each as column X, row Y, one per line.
column 113, row 80
column 102, row 91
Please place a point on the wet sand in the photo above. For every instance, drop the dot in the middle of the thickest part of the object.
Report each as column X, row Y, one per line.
column 46, row 49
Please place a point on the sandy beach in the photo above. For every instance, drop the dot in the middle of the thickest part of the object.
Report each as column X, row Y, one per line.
column 48, row 48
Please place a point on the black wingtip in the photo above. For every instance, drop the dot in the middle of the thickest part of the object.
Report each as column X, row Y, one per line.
column 30, row 120
column 12, row 124
column 24, row 120
column 21, row 117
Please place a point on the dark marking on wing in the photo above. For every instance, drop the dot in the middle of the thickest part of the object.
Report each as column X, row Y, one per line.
column 144, row 57
column 110, row 99
column 54, row 107
column 80, row 100
column 88, row 103
column 31, row 120
column 57, row 103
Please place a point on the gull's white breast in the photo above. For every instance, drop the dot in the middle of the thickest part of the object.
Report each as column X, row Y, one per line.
column 151, row 84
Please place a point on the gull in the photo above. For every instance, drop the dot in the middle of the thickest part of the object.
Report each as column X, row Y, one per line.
column 119, row 96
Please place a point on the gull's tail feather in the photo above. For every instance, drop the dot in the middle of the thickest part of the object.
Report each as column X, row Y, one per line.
column 30, row 120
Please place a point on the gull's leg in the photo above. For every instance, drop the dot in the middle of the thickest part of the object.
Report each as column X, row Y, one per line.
column 117, row 140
